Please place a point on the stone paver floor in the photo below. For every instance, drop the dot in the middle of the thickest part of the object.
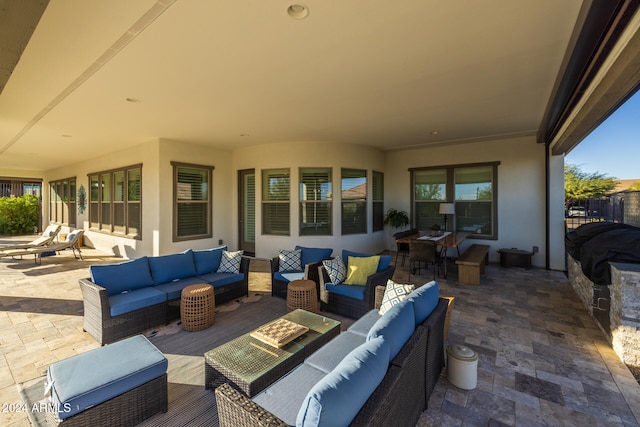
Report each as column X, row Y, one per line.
column 542, row 359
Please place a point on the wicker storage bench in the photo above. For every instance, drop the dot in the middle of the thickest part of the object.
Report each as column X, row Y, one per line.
column 117, row 385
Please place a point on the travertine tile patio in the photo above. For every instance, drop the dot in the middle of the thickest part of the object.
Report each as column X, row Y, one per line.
column 542, row 360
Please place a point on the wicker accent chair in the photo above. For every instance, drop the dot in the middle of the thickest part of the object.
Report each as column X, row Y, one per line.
column 346, row 305
column 422, row 251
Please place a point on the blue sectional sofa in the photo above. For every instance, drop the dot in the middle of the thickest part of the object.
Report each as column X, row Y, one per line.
column 127, row 298
column 285, row 269
column 355, row 299
column 381, row 370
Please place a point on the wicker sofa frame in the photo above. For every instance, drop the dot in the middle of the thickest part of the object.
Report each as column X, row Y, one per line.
column 126, row 409
column 106, row 329
column 279, row 287
column 403, row 393
column 347, row 306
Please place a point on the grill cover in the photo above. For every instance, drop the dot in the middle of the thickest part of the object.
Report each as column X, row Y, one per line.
column 574, row 240
column 616, row 245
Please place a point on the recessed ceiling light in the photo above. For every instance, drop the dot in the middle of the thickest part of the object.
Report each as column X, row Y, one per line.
column 298, row 11
column 244, row 134
column 132, row 100
column 434, row 132
column 66, row 136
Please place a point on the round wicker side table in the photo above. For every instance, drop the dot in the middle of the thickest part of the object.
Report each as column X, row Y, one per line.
column 302, row 294
column 197, row 307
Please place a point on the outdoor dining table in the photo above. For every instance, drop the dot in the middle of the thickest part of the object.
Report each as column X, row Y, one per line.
column 445, row 240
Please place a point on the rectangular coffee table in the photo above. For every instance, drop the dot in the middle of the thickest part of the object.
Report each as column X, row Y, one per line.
column 251, row 365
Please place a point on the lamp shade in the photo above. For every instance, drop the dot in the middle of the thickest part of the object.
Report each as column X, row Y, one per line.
column 447, row 209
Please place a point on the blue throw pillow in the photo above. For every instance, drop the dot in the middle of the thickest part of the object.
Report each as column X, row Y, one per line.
column 208, row 260
column 168, row 268
column 425, row 299
column 336, row 399
column 311, row 255
column 383, row 264
column 124, row 276
column 396, row 326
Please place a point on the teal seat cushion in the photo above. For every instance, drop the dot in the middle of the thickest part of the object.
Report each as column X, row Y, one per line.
column 337, row 398
column 363, row 325
column 311, row 255
column 351, row 291
column 327, row 357
column 208, row 260
column 167, row 268
column 289, row 276
column 90, row 378
column 424, row 299
column 383, row 264
column 284, row 397
column 220, row 279
column 174, row 289
column 124, row 276
column 135, row 300
column 396, row 326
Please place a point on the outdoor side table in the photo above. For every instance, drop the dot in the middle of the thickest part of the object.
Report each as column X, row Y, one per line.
column 197, row 307
column 302, row 294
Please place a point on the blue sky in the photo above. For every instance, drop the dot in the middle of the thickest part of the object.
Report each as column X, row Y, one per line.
column 614, row 147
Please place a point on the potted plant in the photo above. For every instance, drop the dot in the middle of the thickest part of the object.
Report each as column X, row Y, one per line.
column 395, row 218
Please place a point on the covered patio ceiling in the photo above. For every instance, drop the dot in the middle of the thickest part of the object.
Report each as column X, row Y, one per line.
column 97, row 77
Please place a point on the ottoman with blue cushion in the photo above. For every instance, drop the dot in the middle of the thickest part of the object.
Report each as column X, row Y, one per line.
column 120, row 384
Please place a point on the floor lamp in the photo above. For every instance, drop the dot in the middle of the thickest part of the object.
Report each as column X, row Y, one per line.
column 447, row 209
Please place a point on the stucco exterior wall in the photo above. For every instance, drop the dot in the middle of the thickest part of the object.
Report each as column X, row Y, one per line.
column 521, row 190
column 295, row 156
column 157, row 196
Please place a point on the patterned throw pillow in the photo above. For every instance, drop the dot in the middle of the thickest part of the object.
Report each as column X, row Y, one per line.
column 290, row 260
column 336, row 269
column 393, row 294
column 358, row 269
column 230, row 262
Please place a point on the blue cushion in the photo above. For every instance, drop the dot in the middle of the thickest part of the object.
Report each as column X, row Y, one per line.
column 284, row 397
column 208, row 260
column 337, row 398
column 171, row 267
column 174, row 289
column 221, row 279
column 351, row 291
column 425, row 299
column 327, row 357
column 124, row 276
column 135, row 300
column 311, row 255
column 96, row 376
column 396, row 326
column 289, row 277
column 363, row 325
column 383, row 264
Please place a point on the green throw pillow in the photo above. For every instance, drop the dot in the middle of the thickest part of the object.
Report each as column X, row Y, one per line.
column 358, row 269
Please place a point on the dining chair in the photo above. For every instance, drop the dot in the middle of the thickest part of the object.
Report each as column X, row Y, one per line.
column 422, row 251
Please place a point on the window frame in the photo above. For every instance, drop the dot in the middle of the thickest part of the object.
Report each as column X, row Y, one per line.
column 377, row 205
column 361, row 202
column 267, row 202
column 176, row 202
column 63, row 211
column 450, row 194
column 100, row 207
column 328, row 201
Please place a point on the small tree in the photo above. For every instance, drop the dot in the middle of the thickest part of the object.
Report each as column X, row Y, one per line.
column 579, row 185
column 18, row 215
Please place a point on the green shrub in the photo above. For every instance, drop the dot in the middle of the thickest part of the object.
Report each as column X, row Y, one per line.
column 18, row 215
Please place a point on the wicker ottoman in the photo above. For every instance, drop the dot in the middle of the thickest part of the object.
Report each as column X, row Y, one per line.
column 302, row 294
column 197, row 307
column 121, row 384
